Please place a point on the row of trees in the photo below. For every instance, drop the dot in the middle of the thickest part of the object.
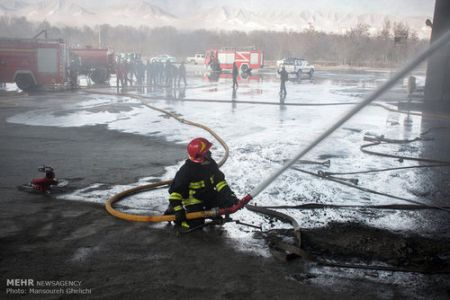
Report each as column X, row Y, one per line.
column 394, row 44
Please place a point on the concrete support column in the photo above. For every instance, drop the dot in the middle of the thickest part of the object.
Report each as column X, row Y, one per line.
column 437, row 87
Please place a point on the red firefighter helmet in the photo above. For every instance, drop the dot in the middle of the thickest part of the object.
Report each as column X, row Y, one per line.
column 197, row 149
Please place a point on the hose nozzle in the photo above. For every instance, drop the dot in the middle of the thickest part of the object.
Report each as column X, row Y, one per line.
column 237, row 206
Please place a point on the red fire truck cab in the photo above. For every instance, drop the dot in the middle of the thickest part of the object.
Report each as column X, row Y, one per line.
column 33, row 63
column 246, row 59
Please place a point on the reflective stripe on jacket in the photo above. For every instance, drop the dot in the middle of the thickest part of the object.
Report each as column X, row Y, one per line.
column 197, row 183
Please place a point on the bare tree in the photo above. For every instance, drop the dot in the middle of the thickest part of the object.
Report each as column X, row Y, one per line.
column 393, row 44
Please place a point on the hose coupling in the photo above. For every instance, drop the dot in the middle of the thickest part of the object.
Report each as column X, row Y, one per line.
column 215, row 211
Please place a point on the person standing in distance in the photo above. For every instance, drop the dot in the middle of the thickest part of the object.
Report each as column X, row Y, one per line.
column 283, row 78
column 235, row 74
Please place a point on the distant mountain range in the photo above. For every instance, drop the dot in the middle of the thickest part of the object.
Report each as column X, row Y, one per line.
column 138, row 13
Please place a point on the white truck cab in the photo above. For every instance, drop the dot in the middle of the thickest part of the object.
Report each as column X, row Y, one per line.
column 196, row 59
column 297, row 66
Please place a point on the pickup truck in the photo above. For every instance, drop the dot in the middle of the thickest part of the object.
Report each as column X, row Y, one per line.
column 297, row 66
column 196, row 59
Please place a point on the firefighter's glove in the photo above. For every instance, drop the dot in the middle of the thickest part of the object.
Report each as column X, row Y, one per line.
column 180, row 214
column 234, row 199
column 231, row 200
column 169, row 211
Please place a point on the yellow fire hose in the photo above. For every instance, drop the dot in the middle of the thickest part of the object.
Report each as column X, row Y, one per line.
column 443, row 40
column 148, row 187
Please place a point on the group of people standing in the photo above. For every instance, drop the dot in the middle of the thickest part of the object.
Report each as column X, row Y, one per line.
column 167, row 74
column 157, row 73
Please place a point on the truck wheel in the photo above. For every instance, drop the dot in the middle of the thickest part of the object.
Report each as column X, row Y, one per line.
column 25, row 82
column 244, row 68
column 299, row 74
column 311, row 73
column 99, row 75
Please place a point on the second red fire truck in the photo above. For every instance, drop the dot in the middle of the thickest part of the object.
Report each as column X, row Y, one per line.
column 98, row 64
column 246, row 59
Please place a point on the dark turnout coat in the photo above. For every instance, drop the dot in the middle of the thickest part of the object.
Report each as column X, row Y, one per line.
column 200, row 186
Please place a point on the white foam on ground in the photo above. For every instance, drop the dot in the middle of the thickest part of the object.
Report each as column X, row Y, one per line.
column 260, row 138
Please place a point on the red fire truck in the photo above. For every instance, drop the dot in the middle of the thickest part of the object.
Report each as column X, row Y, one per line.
column 98, row 64
column 247, row 59
column 33, row 63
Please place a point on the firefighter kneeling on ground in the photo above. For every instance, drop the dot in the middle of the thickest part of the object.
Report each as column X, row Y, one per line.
column 198, row 185
column 45, row 183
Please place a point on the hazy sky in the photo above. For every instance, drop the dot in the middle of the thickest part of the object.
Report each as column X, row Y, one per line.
column 392, row 7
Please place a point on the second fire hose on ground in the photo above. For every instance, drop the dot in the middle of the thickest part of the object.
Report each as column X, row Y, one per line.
column 258, row 189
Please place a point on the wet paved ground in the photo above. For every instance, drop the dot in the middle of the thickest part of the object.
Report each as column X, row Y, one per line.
column 262, row 132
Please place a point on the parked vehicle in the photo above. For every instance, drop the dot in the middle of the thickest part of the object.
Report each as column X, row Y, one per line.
column 297, row 66
column 98, row 64
column 247, row 59
column 34, row 63
column 196, row 59
column 129, row 56
column 163, row 58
